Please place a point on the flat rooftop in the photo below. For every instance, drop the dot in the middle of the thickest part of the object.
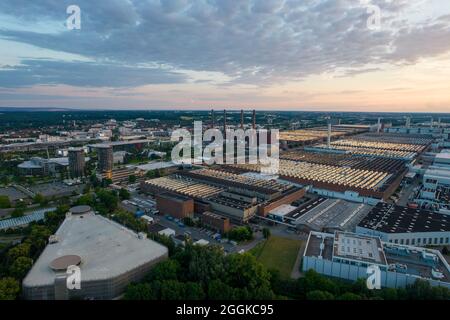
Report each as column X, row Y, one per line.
column 390, row 218
column 106, row 249
column 334, row 214
column 361, row 248
column 397, row 258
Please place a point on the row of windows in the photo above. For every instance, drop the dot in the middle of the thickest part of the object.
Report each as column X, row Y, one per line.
column 421, row 241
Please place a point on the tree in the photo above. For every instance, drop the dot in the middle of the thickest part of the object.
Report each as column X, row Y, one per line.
column 39, row 198
column 20, row 267
column 194, row 291
column 108, row 198
column 124, row 194
column 166, row 270
column 188, row 221
column 21, row 250
column 349, row 296
column 38, row 237
column 172, row 290
column 18, row 212
column 218, row 290
column 4, row 202
column 244, row 271
column 132, row 179
column 266, row 233
column 9, row 288
column 242, row 233
column 319, row 295
column 140, row 291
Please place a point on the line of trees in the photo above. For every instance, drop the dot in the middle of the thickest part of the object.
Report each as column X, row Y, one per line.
column 197, row 272
column 16, row 261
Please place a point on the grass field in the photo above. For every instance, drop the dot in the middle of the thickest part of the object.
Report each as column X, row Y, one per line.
column 278, row 253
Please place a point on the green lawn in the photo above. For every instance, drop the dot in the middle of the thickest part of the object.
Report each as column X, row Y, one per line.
column 278, row 253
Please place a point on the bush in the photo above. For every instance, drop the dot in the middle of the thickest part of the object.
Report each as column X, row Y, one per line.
column 243, row 233
column 9, row 288
column 4, row 202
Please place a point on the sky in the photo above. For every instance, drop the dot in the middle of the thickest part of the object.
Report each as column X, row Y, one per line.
column 322, row 55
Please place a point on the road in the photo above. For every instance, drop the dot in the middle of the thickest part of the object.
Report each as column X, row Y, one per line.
column 406, row 192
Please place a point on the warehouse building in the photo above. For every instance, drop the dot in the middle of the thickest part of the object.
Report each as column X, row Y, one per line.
column 348, row 255
column 402, row 225
column 109, row 257
column 329, row 215
column 216, row 222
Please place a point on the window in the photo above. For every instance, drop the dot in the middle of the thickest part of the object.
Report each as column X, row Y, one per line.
column 435, row 240
column 441, row 240
column 396, row 241
column 418, row 240
column 407, row 241
column 413, row 241
column 401, row 241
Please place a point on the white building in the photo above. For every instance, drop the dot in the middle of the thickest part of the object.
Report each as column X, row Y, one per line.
column 348, row 256
column 402, row 225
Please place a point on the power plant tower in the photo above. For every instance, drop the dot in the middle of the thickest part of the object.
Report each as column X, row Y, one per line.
column 431, row 122
column 379, row 125
column 408, row 122
column 242, row 118
column 254, row 119
column 212, row 119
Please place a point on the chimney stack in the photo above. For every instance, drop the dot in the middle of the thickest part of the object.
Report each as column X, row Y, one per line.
column 254, row 119
column 224, row 121
column 329, row 134
column 242, row 118
column 212, row 119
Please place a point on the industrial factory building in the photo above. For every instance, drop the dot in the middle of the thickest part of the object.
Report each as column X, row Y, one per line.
column 234, row 196
column 379, row 145
column 348, row 255
column 407, row 226
column 175, row 205
column 359, row 180
column 216, row 222
column 109, row 257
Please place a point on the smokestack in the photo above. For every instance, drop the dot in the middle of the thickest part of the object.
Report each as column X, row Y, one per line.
column 254, row 119
column 224, row 121
column 212, row 119
column 379, row 125
column 242, row 118
column 329, row 134
column 431, row 123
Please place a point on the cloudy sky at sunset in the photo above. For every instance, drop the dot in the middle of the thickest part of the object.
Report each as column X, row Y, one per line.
column 265, row 54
